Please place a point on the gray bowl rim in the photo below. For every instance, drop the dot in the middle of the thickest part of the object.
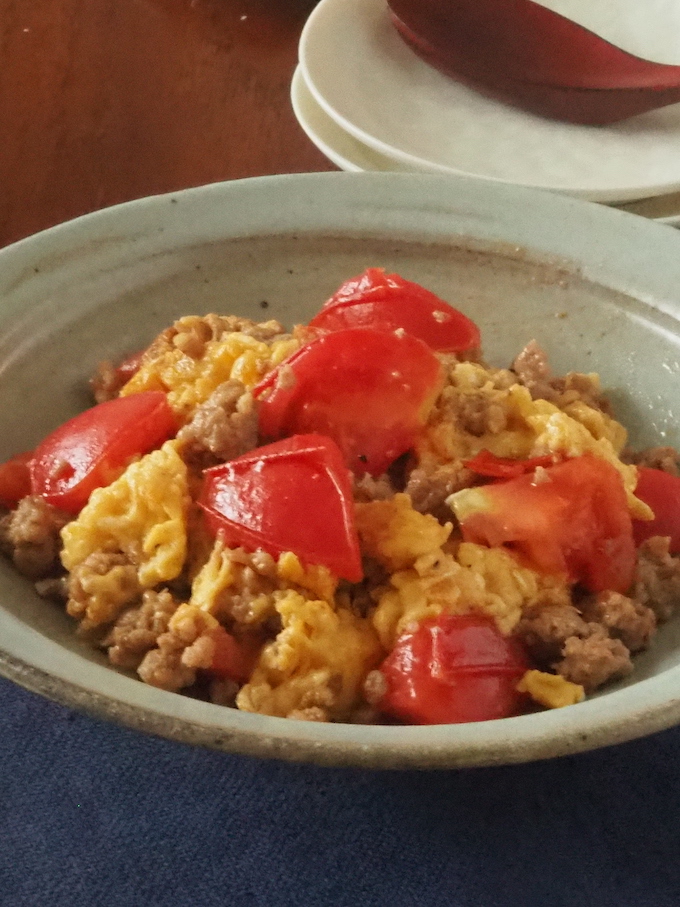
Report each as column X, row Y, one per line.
column 618, row 250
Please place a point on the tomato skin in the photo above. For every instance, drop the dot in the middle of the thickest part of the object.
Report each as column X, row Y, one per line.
column 575, row 522
column 91, row 449
column 376, row 299
column 488, row 464
column 293, row 495
column 369, row 390
column 15, row 479
column 233, row 659
column 453, row 669
column 661, row 491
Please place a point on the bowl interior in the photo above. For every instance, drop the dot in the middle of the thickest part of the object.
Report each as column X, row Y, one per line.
column 69, row 307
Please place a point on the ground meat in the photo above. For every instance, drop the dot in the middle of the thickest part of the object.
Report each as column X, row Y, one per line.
column 558, row 638
column 430, row 489
column 192, row 333
column 223, row 692
column 657, row 577
column 630, row 621
column 594, row 660
column 666, row 459
column 545, row 628
column 100, row 587
column 222, row 428
column 375, row 687
column 107, row 382
column 479, row 415
column 137, row 630
column 181, row 651
column 30, row 535
column 367, row 489
column 532, row 370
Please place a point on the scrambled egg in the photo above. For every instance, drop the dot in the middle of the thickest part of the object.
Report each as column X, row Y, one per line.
column 189, row 381
column 144, row 530
column 514, row 425
column 141, row 516
column 316, row 664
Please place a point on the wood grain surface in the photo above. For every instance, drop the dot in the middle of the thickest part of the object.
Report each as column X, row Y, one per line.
column 102, row 101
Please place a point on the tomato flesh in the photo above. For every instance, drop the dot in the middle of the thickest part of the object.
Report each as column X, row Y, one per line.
column 293, row 495
column 233, row 659
column 488, row 464
column 661, row 491
column 369, row 390
column 376, row 299
column 15, row 479
column 92, row 449
column 453, row 669
column 575, row 521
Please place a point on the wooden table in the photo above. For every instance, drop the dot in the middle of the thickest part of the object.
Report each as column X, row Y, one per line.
column 102, row 101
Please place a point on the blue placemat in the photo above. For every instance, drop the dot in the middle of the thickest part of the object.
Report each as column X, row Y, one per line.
column 95, row 814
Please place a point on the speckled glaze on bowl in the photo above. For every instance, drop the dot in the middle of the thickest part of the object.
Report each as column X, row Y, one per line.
column 598, row 288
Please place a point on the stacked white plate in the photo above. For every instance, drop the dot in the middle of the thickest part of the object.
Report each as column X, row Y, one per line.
column 369, row 103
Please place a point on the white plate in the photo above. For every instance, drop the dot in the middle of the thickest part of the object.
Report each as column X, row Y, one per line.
column 339, row 146
column 376, row 89
column 351, row 155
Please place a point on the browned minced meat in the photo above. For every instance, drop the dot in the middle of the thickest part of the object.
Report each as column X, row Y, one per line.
column 30, row 536
column 179, row 654
column 558, row 638
column 545, row 628
column 533, row 371
column 625, row 619
column 480, row 416
column 222, row 428
column 367, row 488
column 137, row 630
column 430, row 489
column 107, row 382
column 594, row 660
column 99, row 563
column 192, row 333
column 667, row 459
column 657, row 577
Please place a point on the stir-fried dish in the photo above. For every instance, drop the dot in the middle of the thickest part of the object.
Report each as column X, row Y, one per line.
column 356, row 520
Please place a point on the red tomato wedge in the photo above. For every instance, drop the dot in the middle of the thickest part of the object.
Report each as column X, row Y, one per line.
column 15, row 479
column 233, row 659
column 488, row 464
column 453, row 669
column 94, row 447
column 378, row 300
column 370, row 391
column 661, row 491
column 576, row 521
column 293, row 495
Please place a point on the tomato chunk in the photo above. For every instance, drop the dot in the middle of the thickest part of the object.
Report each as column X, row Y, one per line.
column 453, row 669
column 574, row 521
column 233, row 659
column 488, row 464
column 376, row 299
column 293, row 495
column 15, row 478
column 370, row 391
column 94, row 447
column 661, row 491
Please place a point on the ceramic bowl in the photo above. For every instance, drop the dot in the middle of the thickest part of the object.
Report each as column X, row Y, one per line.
column 598, row 288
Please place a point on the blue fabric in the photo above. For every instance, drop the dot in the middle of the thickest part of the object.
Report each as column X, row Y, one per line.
column 95, row 814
